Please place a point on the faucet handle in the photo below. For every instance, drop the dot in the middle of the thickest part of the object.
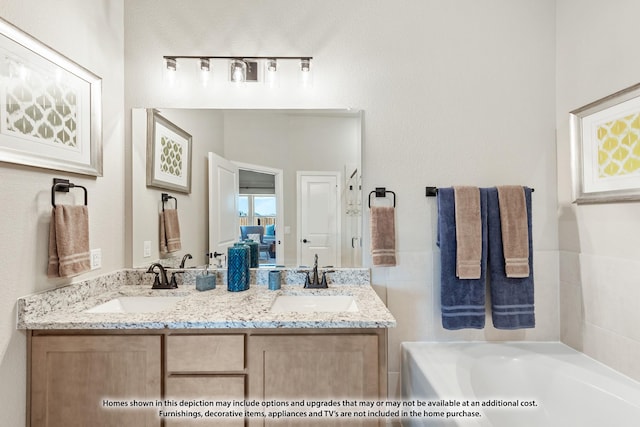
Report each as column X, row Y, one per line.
column 173, row 282
column 307, row 280
column 324, row 278
column 156, row 280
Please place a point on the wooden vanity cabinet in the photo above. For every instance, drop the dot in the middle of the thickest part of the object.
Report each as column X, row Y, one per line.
column 317, row 367
column 72, row 372
column 78, row 380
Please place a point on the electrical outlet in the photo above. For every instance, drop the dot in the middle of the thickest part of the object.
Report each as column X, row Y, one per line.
column 96, row 258
column 147, row 248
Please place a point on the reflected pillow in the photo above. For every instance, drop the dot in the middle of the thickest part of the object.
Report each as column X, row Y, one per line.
column 255, row 237
column 270, row 230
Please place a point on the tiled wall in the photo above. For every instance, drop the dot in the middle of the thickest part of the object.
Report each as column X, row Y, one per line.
column 599, row 297
column 416, row 305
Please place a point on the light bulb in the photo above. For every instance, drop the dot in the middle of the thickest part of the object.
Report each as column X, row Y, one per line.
column 205, row 68
column 171, row 64
column 271, row 72
column 170, row 71
column 306, row 77
column 305, row 65
column 238, row 71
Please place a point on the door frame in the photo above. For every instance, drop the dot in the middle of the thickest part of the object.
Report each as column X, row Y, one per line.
column 278, row 175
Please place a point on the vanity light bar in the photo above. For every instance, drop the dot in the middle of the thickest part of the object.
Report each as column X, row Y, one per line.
column 238, row 72
column 242, row 58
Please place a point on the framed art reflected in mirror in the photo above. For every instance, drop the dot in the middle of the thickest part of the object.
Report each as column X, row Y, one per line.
column 168, row 154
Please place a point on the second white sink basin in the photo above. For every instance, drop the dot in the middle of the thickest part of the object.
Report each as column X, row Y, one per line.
column 313, row 303
column 136, row 305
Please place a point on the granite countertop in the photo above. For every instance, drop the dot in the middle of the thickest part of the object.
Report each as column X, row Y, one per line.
column 64, row 308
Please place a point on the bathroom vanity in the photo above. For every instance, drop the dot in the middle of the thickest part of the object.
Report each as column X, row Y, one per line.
column 216, row 345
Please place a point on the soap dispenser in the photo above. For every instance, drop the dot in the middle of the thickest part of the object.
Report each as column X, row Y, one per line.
column 206, row 281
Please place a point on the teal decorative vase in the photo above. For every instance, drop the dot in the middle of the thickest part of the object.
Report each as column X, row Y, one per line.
column 254, row 251
column 238, row 259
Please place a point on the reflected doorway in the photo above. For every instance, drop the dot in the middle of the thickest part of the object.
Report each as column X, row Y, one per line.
column 260, row 210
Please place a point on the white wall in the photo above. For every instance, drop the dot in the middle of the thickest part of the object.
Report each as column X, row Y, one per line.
column 454, row 92
column 91, row 33
column 599, row 253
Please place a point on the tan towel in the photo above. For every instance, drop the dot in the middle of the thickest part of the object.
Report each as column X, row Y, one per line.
column 515, row 233
column 68, row 241
column 169, row 231
column 468, row 232
column 383, row 236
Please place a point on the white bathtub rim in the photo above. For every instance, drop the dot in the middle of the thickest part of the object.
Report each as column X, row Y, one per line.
column 588, row 359
column 448, row 367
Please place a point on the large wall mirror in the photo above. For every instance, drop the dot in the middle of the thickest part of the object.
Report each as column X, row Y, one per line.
column 297, row 185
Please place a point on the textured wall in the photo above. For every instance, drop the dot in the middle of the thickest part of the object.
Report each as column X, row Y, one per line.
column 90, row 33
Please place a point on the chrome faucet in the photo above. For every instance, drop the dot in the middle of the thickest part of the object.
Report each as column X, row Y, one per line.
column 161, row 281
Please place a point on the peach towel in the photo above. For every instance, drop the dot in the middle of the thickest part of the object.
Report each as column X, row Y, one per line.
column 383, row 236
column 68, row 241
column 515, row 232
column 468, row 232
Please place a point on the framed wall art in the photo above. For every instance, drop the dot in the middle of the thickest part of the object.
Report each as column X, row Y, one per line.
column 605, row 144
column 50, row 107
column 168, row 154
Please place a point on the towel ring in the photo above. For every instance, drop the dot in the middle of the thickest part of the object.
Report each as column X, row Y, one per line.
column 166, row 197
column 382, row 192
column 63, row 186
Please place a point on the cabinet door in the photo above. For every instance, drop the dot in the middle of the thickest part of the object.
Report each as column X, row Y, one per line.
column 314, row 367
column 73, row 377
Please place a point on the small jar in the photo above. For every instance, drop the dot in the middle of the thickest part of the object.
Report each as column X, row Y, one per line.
column 274, row 280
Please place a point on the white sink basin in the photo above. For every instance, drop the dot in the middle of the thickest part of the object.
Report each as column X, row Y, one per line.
column 135, row 305
column 313, row 303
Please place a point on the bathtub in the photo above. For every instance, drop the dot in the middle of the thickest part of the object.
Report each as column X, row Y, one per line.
column 525, row 383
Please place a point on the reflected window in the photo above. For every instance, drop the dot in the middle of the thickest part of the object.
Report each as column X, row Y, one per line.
column 257, row 209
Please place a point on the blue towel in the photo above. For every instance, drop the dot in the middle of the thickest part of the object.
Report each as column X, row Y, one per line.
column 462, row 300
column 511, row 298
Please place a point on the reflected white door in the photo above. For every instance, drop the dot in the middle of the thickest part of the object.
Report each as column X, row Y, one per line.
column 318, row 218
column 224, row 223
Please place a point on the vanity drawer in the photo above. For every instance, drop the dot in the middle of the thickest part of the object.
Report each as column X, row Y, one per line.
column 205, row 353
column 225, row 388
column 211, row 387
